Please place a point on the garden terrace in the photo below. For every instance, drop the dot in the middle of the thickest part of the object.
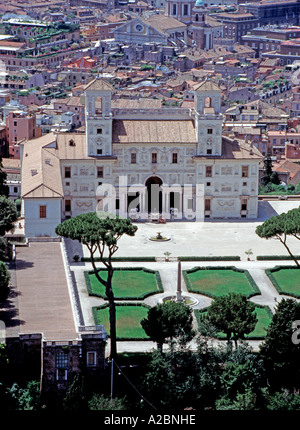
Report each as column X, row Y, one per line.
column 286, row 280
column 217, row 281
column 264, row 318
column 128, row 320
column 128, row 283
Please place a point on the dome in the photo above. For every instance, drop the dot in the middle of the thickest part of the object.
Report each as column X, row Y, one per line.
column 199, row 3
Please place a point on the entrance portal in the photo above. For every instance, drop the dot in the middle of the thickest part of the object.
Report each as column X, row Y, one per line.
column 154, row 195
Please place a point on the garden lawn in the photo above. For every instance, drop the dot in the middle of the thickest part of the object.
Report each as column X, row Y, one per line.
column 217, row 282
column 287, row 280
column 128, row 320
column 264, row 318
column 127, row 284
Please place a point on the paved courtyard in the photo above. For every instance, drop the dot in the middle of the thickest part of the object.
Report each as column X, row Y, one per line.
column 42, row 299
column 218, row 238
column 212, row 238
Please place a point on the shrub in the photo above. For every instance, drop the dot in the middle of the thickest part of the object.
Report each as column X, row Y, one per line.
column 4, row 281
column 210, row 258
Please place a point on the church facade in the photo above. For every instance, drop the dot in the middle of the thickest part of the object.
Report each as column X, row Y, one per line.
column 145, row 163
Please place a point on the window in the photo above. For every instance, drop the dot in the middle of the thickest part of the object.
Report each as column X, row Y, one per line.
column 208, row 171
column 99, row 172
column 175, row 158
column 133, row 158
column 91, row 358
column 67, row 172
column 207, row 205
column 68, row 205
column 43, row 211
column 15, row 123
column 209, row 152
column 209, row 131
column 154, row 158
column 245, row 171
column 185, row 9
column 244, row 205
column 99, row 130
column 208, row 184
column 244, row 184
column 99, row 151
column 174, row 9
column 61, row 364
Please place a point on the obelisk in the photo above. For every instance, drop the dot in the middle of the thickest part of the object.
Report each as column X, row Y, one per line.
column 178, row 294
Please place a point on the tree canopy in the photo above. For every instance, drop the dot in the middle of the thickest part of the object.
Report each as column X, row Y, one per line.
column 4, row 281
column 4, row 189
column 280, row 354
column 100, row 233
column 96, row 232
column 269, row 176
column 8, row 215
column 280, row 227
column 168, row 320
column 233, row 315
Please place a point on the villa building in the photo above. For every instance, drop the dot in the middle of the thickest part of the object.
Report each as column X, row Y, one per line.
column 145, row 162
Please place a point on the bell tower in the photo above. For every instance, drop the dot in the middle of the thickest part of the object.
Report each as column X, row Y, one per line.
column 180, row 9
column 98, row 117
column 208, row 119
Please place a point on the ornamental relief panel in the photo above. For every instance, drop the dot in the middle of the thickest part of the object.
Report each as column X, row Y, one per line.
column 225, row 188
column 226, row 170
column 225, row 204
column 84, row 205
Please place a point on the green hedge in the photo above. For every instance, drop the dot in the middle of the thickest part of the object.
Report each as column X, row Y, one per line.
column 98, row 259
column 235, row 269
column 98, row 322
column 276, row 257
column 151, row 259
column 211, row 258
column 142, row 297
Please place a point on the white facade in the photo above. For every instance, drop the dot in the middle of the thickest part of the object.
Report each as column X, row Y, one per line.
column 42, row 216
column 176, row 156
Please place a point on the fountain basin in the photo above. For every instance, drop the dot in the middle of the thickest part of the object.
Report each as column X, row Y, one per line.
column 188, row 300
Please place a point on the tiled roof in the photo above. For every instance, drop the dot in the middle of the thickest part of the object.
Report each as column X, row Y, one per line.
column 236, row 149
column 164, row 23
column 207, row 85
column 40, row 170
column 141, row 103
column 152, row 132
column 99, row 84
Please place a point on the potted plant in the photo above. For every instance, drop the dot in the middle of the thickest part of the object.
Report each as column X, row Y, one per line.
column 248, row 253
column 167, row 254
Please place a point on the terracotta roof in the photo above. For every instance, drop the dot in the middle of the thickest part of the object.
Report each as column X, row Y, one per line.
column 40, row 170
column 11, row 163
column 64, row 151
column 141, row 103
column 99, row 84
column 152, row 132
column 236, row 149
column 207, row 85
column 164, row 23
column 12, row 44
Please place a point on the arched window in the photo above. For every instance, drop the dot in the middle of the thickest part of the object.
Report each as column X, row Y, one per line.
column 208, row 102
